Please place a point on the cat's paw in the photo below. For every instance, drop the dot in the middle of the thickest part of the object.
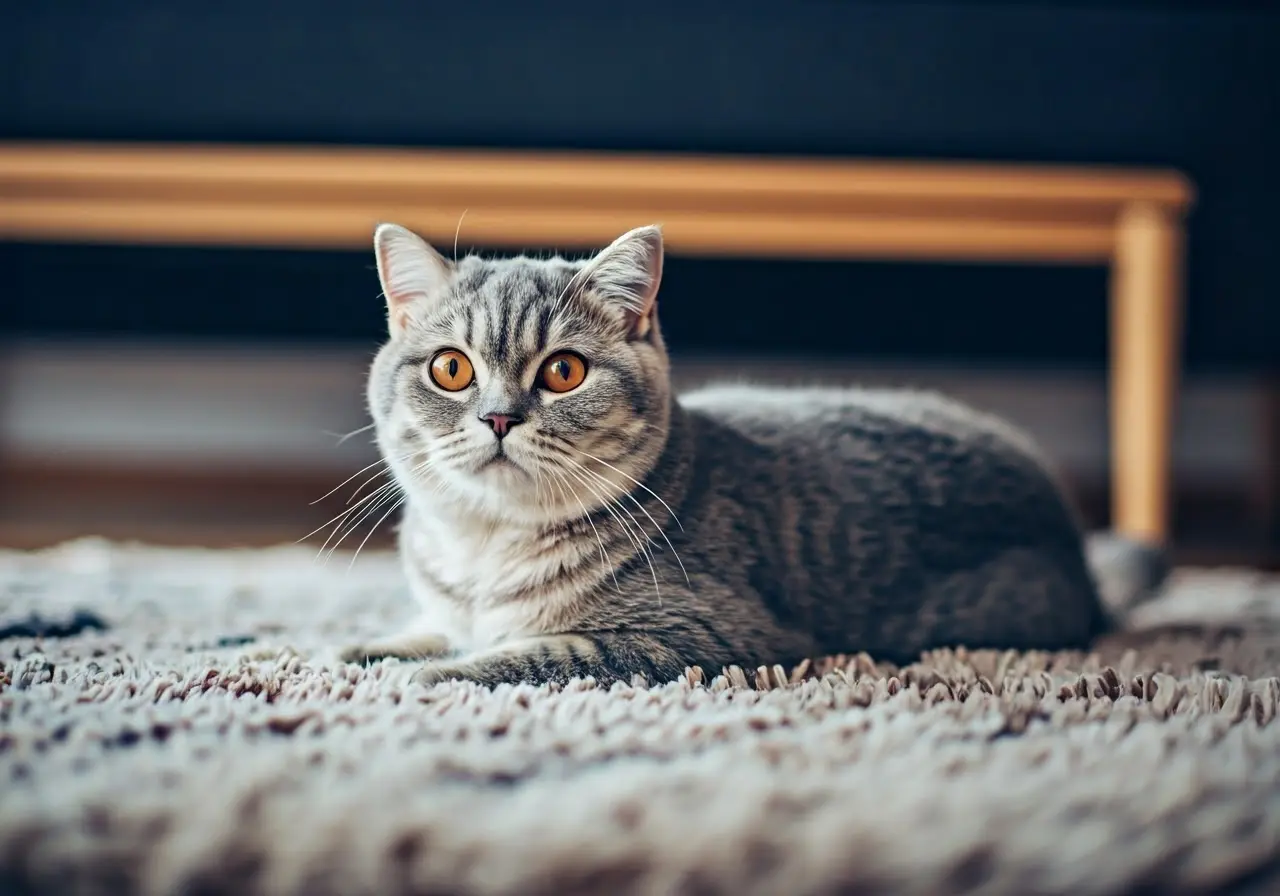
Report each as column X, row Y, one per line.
column 433, row 674
column 401, row 647
column 489, row 671
column 359, row 654
column 489, row 674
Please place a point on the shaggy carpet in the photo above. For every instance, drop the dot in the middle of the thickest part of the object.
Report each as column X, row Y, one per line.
column 169, row 724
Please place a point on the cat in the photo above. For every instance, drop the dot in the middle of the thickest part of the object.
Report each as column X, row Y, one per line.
column 565, row 515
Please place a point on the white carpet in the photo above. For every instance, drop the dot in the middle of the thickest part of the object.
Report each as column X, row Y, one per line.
column 146, row 758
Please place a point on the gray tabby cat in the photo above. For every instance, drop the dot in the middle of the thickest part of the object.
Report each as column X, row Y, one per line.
column 567, row 516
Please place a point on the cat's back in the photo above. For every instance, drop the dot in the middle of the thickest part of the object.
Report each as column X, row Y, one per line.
column 905, row 516
column 881, row 458
column 852, row 422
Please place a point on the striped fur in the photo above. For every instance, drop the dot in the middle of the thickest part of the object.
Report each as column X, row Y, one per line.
column 620, row 530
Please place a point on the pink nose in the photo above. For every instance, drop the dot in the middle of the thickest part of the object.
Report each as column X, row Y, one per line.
column 501, row 423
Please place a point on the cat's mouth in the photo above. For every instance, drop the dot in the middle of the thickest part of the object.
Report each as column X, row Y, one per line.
column 498, row 460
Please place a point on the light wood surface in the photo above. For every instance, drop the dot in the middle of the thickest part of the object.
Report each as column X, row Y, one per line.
column 1146, row 315
column 330, row 198
column 738, row 179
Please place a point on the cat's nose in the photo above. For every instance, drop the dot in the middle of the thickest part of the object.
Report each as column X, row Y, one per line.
column 501, row 423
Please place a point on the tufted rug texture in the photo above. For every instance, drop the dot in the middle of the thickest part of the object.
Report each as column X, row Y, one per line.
column 169, row 724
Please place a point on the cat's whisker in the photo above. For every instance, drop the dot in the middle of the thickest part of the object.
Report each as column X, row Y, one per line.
column 346, row 512
column 636, row 481
column 537, row 485
column 379, row 498
column 572, row 284
column 391, row 492
column 638, row 541
column 360, row 488
column 342, row 437
column 383, row 472
column 642, row 509
column 339, row 519
column 374, row 528
column 348, row 479
column 404, row 457
column 457, row 231
column 586, row 514
column 603, row 493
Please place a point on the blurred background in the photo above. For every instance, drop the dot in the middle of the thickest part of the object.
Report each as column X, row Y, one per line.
column 193, row 395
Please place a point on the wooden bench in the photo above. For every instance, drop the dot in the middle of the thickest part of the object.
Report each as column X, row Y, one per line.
column 328, row 198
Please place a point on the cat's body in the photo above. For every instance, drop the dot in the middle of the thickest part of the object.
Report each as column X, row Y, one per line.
column 628, row 531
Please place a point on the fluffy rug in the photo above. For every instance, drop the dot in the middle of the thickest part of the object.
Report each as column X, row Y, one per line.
column 168, row 724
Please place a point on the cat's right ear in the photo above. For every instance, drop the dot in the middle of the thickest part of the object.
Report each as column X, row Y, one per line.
column 410, row 272
column 626, row 275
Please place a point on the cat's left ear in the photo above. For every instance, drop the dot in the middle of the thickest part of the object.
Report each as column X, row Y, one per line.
column 410, row 271
column 626, row 276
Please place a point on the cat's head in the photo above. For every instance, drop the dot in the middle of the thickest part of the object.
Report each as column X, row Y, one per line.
column 520, row 388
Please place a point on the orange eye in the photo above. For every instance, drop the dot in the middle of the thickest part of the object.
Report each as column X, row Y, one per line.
column 564, row 372
column 451, row 371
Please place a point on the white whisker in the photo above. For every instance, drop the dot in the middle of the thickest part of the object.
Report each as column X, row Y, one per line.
column 375, row 501
column 392, row 509
column 341, row 437
column 357, row 512
column 348, row 479
column 642, row 509
column 340, row 516
column 573, row 279
column 639, row 542
column 361, row 486
column 389, row 493
column 636, row 481
column 457, row 232
column 604, row 555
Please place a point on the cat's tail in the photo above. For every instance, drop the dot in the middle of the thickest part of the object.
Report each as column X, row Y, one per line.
column 1127, row 571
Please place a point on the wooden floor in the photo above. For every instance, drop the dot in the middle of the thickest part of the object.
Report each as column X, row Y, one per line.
column 43, row 506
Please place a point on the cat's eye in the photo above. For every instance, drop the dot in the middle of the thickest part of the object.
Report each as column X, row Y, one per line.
column 563, row 372
column 451, row 370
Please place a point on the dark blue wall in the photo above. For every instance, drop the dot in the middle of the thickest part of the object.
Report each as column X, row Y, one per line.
column 1192, row 85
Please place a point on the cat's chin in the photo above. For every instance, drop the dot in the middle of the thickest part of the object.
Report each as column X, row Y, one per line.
column 501, row 467
column 503, row 472
column 501, row 490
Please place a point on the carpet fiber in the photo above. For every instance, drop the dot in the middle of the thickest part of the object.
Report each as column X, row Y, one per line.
column 169, row 724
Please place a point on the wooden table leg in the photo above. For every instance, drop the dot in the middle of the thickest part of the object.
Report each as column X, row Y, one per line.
column 1146, row 335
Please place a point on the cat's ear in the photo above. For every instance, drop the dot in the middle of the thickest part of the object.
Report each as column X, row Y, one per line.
column 626, row 276
column 410, row 271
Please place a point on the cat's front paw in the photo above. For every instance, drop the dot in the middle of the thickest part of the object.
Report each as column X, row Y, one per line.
column 433, row 674
column 486, row 672
column 403, row 647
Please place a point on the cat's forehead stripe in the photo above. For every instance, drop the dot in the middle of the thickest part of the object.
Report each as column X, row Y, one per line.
column 469, row 316
column 499, row 325
column 475, row 279
column 510, row 312
column 522, row 320
column 544, row 328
